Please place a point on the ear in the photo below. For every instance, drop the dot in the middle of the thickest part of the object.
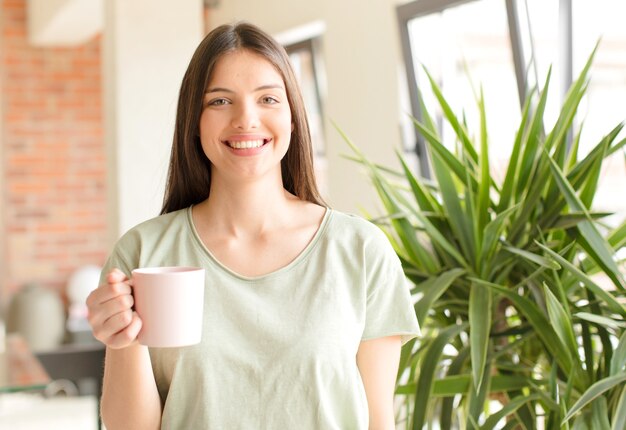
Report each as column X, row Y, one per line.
column 293, row 126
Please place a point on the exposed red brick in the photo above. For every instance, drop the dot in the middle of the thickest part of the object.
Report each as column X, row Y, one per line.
column 53, row 203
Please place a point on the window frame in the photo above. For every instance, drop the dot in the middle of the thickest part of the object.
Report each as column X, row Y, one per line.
column 312, row 45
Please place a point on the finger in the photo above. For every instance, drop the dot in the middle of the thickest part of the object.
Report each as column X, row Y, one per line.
column 128, row 336
column 100, row 314
column 116, row 275
column 107, row 292
column 113, row 325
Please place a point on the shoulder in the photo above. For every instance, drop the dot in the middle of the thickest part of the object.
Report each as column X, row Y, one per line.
column 360, row 236
column 365, row 244
column 155, row 228
column 356, row 227
column 161, row 232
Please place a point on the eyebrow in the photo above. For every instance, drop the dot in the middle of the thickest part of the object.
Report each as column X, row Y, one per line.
column 262, row 87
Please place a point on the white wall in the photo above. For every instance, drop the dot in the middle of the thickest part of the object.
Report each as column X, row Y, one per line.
column 147, row 45
column 361, row 54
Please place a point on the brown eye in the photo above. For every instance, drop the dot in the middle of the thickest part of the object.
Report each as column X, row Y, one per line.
column 217, row 102
column 269, row 100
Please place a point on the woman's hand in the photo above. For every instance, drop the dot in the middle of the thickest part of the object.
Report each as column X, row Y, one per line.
column 130, row 399
column 111, row 316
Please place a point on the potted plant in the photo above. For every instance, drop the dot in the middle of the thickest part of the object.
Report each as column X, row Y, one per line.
column 518, row 332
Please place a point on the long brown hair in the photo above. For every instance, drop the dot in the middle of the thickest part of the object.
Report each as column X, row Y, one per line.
column 189, row 175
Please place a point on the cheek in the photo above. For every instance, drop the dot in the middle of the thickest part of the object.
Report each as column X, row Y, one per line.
column 202, row 125
column 207, row 129
column 287, row 122
column 204, row 137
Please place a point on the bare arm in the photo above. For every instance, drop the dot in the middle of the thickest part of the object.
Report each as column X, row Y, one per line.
column 130, row 397
column 378, row 361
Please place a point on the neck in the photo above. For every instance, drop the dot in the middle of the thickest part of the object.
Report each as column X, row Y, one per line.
column 246, row 208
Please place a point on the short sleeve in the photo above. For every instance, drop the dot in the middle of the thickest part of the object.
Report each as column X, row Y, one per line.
column 389, row 307
column 118, row 259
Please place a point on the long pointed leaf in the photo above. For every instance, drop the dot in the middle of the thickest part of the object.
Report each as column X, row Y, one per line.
column 432, row 289
column 600, row 415
column 457, row 217
column 530, row 156
column 619, row 417
column 506, row 194
column 480, row 304
column 477, row 396
column 598, row 248
column 452, row 119
column 609, row 300
column 580, row 171
column 402, row 226
column 590, row 186
column 492, row 232
column 448, row 157
column 422, row 197
column 561, row 322
column 539, row 322
column 571, row 103
column 600, row 320
column 619, row 357
column 580, row 177
column 594, row 391
column 485, row 177
column 427, row 373
column 572, row 219
column 535, row 258
column 507, row 410
column 447, row 403
column 617, row 238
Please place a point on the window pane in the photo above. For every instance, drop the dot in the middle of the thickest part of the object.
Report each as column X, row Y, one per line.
column 605, row 104
column 470, row 41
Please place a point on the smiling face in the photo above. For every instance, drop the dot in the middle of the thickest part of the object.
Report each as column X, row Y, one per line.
column 245, row 126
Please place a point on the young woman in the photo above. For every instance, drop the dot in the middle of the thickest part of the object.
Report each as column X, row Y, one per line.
column 305, row 308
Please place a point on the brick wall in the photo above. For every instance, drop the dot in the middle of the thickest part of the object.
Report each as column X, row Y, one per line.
column 53, row 202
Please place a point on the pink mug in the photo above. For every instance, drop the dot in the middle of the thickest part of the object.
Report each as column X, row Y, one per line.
column 169, row 301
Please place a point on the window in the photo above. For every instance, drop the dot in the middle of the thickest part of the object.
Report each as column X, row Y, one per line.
column 452, row 47
column 507, row 47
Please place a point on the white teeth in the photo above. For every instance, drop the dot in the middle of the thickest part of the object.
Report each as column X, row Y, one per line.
column 246, row 144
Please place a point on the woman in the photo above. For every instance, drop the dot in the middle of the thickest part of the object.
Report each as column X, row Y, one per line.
column 306, row 308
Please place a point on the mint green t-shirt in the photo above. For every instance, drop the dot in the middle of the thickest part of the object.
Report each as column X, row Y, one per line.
column 278, row 351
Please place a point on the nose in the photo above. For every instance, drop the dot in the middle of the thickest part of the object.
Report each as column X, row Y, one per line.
column 246, row 116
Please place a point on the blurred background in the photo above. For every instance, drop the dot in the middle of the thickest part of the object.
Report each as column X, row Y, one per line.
column 87, row 103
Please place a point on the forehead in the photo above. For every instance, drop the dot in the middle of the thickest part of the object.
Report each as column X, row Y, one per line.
column 247, row 66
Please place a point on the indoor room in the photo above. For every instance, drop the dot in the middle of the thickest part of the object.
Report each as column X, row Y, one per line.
column 473, row 149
